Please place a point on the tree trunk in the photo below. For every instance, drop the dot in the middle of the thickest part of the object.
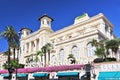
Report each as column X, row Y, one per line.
column 14, row 53
column 8, row 55
column 45, row 59
column 49, row 57
column 9, row 66
column 42, row 60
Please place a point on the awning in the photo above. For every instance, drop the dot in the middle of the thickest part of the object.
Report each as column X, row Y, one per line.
column 22, row 75
column 60, row 74
column 109, row 75
column 5, row 75
column 41, row 75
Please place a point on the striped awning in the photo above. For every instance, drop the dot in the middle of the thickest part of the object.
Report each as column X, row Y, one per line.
column 22, row 75
column 41, row 75
column 109, row 75
column 5, row 75
column 60, row 74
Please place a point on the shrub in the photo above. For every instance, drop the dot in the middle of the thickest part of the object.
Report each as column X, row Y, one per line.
column 109, row 59
column 98, row 60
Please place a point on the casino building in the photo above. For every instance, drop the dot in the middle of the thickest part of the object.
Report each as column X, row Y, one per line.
column 73, row 39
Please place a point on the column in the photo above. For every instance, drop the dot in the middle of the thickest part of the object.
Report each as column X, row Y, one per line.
column 39, row 44
column 47, row 62
column 35, row 43
column 30, row 44
column 25, row 48
column 43, row 62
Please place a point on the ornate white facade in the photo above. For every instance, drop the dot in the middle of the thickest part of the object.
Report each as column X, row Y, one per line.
column 72, row 39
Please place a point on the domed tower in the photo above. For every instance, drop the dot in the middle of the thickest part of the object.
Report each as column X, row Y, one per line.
column 25, row 32
column 81, row 18
column 45, row 21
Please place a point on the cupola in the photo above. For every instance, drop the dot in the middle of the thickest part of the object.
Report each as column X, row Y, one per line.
column 45, row 21
column 25, row 32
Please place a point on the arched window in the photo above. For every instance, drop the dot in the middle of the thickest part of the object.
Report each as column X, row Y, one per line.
column 90, row 50
column 53, row 60
column 61, row 56
column 75, row 51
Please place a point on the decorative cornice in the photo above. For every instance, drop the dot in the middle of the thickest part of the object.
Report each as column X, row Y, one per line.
column 78, row 38
column 94, row 18
column 37, row 33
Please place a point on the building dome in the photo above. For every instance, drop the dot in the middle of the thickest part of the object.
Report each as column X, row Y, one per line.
column 81, row 18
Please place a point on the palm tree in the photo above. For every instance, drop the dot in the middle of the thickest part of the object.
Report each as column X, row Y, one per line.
column 94, row 42
column 40, row 53
column 14, row 46
column 5, row 53
column 100, row 49
column 100, row 52
column 10, row 35
column 72, row 58
column 44, row 52
column 14, row 64
column 113, row 45
column 48, row 48
column 5, row 66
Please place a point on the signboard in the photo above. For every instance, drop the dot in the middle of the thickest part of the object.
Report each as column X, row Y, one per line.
column 110, row 67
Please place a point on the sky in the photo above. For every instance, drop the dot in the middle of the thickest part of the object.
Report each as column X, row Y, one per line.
column 25, row 13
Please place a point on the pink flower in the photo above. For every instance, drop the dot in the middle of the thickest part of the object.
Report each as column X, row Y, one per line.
column 47, row 69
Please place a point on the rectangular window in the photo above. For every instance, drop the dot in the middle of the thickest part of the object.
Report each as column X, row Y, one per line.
column 42, row 22
column 111, row 32
column 48, row 22
column 27, row 33
column 23, row 47
column 106, row 28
